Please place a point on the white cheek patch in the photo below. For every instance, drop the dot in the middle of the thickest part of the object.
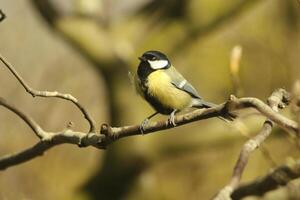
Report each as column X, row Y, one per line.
column 158, row 64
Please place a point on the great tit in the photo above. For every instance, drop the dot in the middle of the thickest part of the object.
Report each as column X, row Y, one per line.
column 164, row 88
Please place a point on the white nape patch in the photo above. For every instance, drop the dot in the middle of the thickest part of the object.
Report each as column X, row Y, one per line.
column 158, row 64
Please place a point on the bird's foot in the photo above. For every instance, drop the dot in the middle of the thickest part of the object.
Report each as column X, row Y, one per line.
column 171, row 119
column 144, row 125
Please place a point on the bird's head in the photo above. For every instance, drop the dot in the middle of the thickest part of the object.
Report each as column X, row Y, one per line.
column 155, row 60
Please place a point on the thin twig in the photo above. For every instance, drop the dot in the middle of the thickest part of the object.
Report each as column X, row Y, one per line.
column 56, row 94
column 267, row 111
column 30, row 122
column 278, row 99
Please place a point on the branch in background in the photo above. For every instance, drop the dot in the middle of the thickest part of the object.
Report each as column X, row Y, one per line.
column 52, row 13
column 35, row 93
column 216, row 24
column 47, row 10
column 2, row 16
column 279, row 99
column 234, row 68
column 278, row 177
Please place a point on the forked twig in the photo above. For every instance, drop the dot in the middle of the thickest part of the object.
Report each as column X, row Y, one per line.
column 278, row 99
column 56, row 94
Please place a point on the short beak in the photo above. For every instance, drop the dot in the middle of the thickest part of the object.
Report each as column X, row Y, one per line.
column 142, row 58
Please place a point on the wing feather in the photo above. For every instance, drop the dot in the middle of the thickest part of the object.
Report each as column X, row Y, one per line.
column 181, row 83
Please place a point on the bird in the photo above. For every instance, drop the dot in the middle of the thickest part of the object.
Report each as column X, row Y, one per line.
column 165, row 89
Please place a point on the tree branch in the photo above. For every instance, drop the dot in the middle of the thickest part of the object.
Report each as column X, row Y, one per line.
column 278, row 177
column 278, row 99
column 267, row 111
column 110, row 134
column 48, row 141
column 56, row 94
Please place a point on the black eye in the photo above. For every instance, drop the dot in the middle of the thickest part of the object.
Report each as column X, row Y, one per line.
column 153, row 58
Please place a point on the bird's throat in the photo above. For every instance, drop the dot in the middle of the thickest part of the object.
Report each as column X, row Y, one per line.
column 144, row 70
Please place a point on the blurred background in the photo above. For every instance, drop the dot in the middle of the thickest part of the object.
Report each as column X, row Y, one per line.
column 87, row 47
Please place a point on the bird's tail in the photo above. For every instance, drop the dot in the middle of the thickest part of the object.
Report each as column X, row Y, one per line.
column 227, row 116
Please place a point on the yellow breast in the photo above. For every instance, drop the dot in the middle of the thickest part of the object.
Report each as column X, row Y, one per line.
column 160, row 86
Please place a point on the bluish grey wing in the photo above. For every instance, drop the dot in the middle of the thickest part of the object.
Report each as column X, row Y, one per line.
column 179, row 82
column 187, row 87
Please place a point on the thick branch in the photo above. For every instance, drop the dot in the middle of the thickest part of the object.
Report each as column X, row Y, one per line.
column 23, row 156
column 278, row 177
column 278, row 99
column 35, row 93
column 48, row 141
column 111, row 134
column 196, row 115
